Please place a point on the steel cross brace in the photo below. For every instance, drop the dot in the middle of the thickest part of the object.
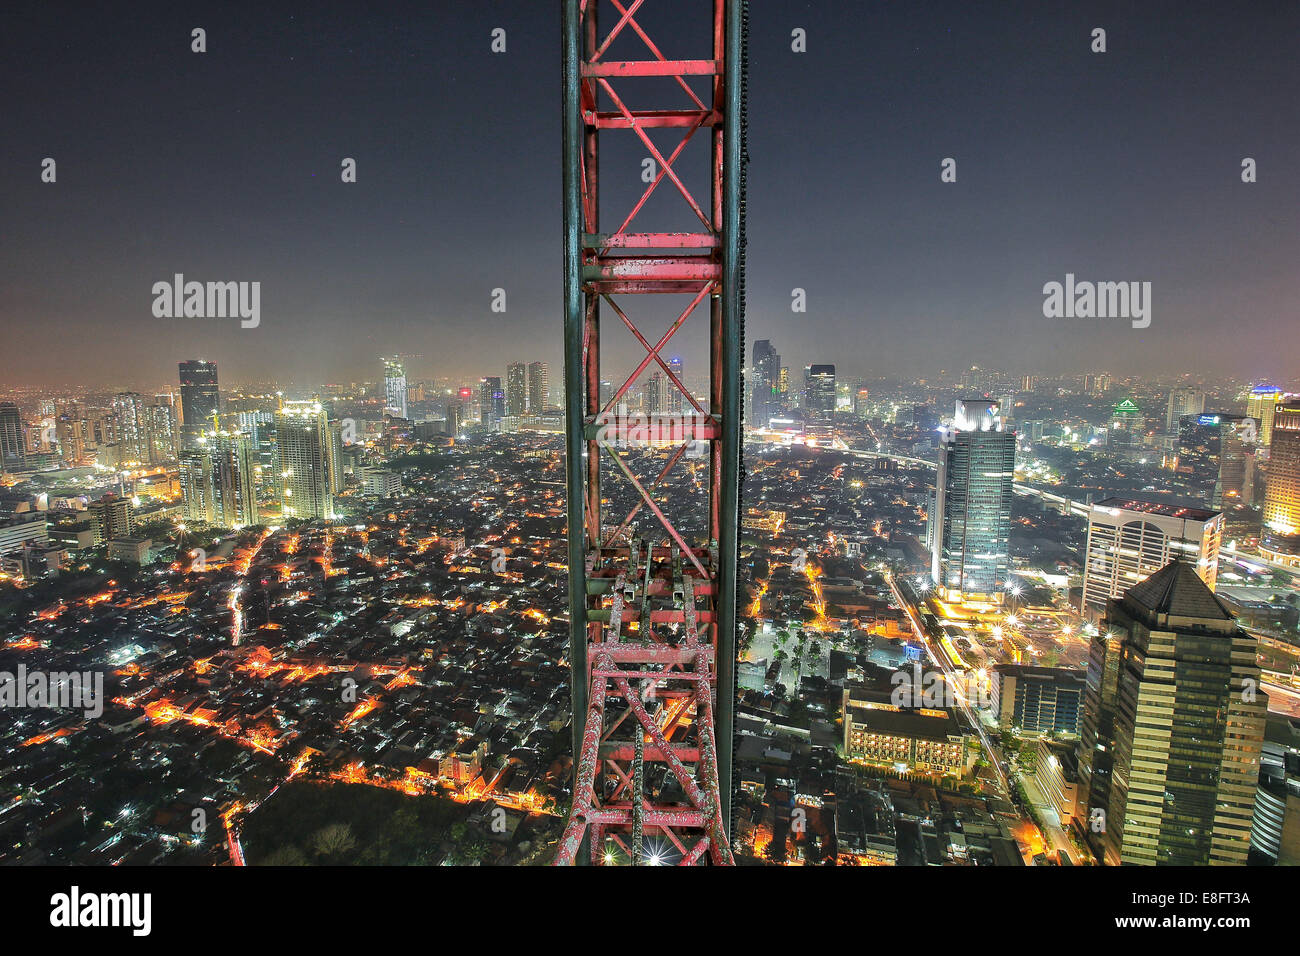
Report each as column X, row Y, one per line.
column 652, row 623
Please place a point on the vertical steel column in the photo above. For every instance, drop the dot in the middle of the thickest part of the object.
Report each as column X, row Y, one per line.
column 653, row 615
column 730, row 349
column 574, row 317
column 591, row 331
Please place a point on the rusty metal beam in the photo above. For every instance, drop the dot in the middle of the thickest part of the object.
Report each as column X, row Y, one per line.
column 652, row 622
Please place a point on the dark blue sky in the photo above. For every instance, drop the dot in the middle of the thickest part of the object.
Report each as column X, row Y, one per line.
column 225, row 166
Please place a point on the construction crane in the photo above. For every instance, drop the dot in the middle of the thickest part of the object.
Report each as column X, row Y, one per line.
column 652, row 612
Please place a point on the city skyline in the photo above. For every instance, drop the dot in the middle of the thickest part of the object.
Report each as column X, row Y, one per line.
column 801, row 436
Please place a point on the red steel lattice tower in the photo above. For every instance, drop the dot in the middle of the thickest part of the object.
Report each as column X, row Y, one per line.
column 652, row 612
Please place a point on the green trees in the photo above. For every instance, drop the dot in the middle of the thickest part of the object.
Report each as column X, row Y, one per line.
column 287, row 855
column 310, row 823
column 333, row 841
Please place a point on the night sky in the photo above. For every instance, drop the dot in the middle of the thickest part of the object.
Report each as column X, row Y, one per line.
column 225, row 166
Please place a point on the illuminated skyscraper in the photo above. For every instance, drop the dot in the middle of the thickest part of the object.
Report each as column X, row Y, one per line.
column 1236, row 482
column 1261, row 405
column 655, row 395
column 765, row 395
column 539, row 387
column 1095, row 383
column 72, row 434
column 303, row 460
column 196, row 482
column 13, row 446
column 132, row 427
column 1130, row 539
column 334, row 445
column 675, row 397
column 395, row 388
column 455, row 420
column 161, row 430
column 1173, row 726
column 819, row 383
column 516, row 389
column 1275, row 832
column 492, row 401
column 217, row 480
column 112, row 517
column 970, row 520
column 260, row 427
column 1281, row 537
column 1222, row 445
column 1184, row 400
column 200, row 398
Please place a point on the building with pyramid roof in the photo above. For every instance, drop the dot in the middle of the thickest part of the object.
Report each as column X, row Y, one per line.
column 1173, row 726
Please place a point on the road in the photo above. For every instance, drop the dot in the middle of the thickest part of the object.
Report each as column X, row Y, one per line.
column 1049, row 822
column 232, row 841
column 954, row 681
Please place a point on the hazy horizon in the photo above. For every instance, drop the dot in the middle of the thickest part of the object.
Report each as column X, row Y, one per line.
column 225, row 166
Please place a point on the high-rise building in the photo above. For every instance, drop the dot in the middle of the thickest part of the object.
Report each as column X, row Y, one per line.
column 675, row 397
column 516, row 389
column 302, row 440
column 1183, row 400
column 1236, row 482
column 106, row 427
column 161, row 431
column 200, row 398
column 492, row 400
column 655, row 395
column 380, row 482
column 132, row 427
column 27, row 529
column 765, row 395
column 819, row 385
column 1127, row 425
column 1224, row 446
column 260, row 428
column 1173, row 726
column 144, row 432
column 217, row 480
column 395, row 388
column 970, row 518
column 1261, row 405
column 111, row 517
column 1037, row 700
column 1130, row 539
column 334, row 436
column 195, row 470
column 1275, row 832
column 13, row 444
column 455, row 420
column 1095, row 383
column 1280, row 540
column 72, row 434
column 539, row 388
